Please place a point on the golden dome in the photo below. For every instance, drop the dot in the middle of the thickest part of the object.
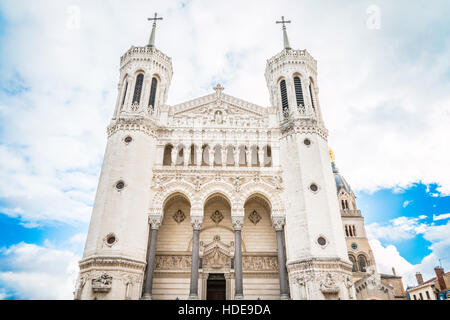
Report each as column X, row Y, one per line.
column 331, row 154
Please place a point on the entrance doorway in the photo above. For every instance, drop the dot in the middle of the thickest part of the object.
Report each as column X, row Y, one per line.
column 216, row 287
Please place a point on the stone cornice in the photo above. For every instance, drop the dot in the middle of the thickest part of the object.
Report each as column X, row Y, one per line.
column 143, row 124
column 291, row 57
column 303, row 126
column 146, row 54
column 111, row 261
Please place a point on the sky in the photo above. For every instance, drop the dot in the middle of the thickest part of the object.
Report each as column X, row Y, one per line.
column 384, row 80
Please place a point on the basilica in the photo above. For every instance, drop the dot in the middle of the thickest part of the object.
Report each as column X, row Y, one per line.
column 217, row 198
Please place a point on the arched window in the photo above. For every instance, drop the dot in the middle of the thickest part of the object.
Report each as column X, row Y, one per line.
column 299, row 91
column 167, row 159
column 138, row 88
column 346, row 231
column 362, row 261
column 311, row 89
column 153, row 92
column 353, row 261
column 284, row 97
column 354, row 231
column 124, row 93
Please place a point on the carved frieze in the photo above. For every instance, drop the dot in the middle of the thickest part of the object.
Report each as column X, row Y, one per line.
column 173, row 262
column 102, row 283
column 259, row 263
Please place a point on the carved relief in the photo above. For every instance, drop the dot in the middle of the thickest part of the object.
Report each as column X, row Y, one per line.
column 102, row 283
column 328, row 285
column 179, row 216
column 173, row 262
column 259, row 263
column 217, row 216
column 254, row 217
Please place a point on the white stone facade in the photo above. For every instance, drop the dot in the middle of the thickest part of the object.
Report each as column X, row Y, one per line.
column 228, row 168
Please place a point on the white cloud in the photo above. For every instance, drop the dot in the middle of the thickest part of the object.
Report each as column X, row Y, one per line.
column 404, row 228
column 373, row 87
column 401, row 228
column 407, row 203
column 441, row 216
column 35, row 272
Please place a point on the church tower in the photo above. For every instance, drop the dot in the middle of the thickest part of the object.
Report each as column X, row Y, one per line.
column 317, row 259
column 114, row 257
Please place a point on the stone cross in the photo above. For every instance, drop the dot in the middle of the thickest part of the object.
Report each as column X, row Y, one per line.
column 283, row 22
column 155, row 19
column 151, row 42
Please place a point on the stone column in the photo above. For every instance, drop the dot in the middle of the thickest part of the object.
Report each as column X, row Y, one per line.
column 278, row 224
column 212, row 153
column 248, row 153
column 236, row 156
column 196, row 225
column 155, row 223
column 224, row 156
column 238, row 222
column 199, row 151
column 261, row 156
column 174, row 155
column 186, row 155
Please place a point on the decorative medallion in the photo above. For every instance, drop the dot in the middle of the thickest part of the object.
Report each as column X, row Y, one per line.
column 179, row 216
column 254, row 217
column 217, row 216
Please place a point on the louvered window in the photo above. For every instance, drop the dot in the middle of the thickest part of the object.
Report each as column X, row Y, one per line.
column 125, row 93
column 299, row 91
column 284, row 98
column 311, row 94
column 138, row 89
column 153, row 92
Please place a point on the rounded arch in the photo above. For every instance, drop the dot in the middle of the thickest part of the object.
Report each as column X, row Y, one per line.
column 218, row 187
column 180, row 187
column 264, row 190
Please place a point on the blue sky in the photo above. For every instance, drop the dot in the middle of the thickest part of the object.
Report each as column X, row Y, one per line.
column 384, row 93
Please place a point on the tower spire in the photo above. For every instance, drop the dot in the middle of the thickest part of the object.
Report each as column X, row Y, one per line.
column 285, row 37
column 151, row 42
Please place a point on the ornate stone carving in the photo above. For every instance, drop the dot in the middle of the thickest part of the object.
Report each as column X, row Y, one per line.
column 237, row 183
column 179, row 216
column 278, row 222
column 102, row 283
column 155, row 221
column 173, row 262
column 259, row 263
column 196, row 222
column 328, row 285
column 217, row 216
column 254, row 217
column 237, row 222
column 216, row 259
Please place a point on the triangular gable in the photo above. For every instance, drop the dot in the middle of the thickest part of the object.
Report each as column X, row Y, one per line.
column 218, row 101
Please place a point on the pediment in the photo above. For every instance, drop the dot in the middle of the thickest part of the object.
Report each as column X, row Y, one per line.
column 218, row 109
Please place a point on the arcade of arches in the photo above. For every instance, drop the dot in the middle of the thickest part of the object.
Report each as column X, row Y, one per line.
column 216, row 254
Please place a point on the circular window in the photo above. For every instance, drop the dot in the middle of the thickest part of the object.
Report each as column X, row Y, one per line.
column 128, row 139
column 307, row 142
column 314, row 187
column 111, row 239
column 354, row 246
column 120, row 185
column 322, row 241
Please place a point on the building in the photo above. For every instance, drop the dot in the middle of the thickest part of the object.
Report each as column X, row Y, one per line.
column 219, row 198
column 436, row 288
column 369, row 284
